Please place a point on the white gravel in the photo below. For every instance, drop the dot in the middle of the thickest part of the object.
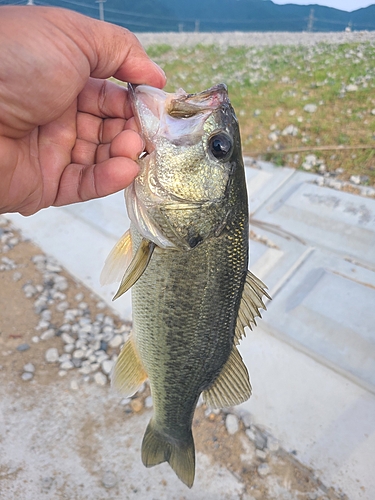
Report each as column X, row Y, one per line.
column 237, row 38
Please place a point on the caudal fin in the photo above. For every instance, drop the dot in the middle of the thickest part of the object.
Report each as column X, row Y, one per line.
column 180, row 454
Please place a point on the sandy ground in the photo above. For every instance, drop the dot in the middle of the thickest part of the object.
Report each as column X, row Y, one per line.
column 67, row 438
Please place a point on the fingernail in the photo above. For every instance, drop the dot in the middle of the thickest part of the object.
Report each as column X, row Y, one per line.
column 161, row 71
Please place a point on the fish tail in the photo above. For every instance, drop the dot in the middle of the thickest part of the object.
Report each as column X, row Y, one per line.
column 158, row 447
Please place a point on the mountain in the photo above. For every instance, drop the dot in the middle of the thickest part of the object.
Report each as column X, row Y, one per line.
column 221, row 15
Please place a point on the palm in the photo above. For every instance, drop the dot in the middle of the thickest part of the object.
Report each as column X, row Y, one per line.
column 68, row 137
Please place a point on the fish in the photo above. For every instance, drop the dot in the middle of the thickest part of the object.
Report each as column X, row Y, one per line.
column 186, row 260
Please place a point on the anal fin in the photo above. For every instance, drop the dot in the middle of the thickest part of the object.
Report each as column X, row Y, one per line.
column 232, row 386
column 128, row 374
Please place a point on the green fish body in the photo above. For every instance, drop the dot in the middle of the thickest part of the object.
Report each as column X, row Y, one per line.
column 192, row 293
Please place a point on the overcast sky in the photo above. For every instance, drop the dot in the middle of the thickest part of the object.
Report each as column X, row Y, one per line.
column 348, row 5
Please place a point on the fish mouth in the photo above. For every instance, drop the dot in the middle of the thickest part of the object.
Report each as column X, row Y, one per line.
column 161, row 114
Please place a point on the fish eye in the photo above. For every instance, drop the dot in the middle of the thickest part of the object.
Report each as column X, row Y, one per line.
column 220, row 146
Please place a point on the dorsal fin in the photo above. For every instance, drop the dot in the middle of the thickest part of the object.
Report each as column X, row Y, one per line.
column 136, row 267
column 118, row 259
column 251, row 302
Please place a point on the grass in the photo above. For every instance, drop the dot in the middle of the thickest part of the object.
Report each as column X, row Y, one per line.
column 269, row 88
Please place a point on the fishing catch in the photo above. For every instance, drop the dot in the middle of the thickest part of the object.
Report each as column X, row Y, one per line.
column 186, row 257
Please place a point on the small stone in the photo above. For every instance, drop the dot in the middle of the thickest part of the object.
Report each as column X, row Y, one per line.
column 103, row 346
column 310, row 108
column 356, row 179
column 116, row 341
column 29, row 290
column 52, row 355
column 125, row 401
column 85, row 369
column 65, row 357
column 273, row 136
column 100, row 379
column 69, row 348
column 67, row 339
column 351, row 88
column 250, row 434
column 35, row 339
column 262, row 455
column 246, row 419
column 260, row 441
column 136, row 405
column 48, row 334
column 373, row 111
column 290, row 130
column 77, row 362
column 272, row 443
column 29, row 367
column 231, row 423
column 23, row 347
column 107, row 366
column 148, row 402
column 53, row 268
column 109, row 480
column 78, row 354
column 79, row 297
column 62, row 373
column 17, row 276
column 27, row 376
column 100, row 305
column 62, row 306
column 74, row 385
column 67, row 365
column 263, row 469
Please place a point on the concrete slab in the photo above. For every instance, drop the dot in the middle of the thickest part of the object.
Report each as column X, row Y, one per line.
column 80, row 237
column 341, row 222
column 326, row 419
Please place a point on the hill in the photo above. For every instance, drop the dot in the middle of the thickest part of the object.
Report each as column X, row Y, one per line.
column 221, row 15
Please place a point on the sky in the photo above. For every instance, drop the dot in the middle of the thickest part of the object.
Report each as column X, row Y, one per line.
column 348, row 5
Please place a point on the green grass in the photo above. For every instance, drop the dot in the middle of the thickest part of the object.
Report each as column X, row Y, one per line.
column 279, row 81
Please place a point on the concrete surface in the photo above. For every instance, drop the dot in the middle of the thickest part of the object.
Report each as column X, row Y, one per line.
column 312, row 359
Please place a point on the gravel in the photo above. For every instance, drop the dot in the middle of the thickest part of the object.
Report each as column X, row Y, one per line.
column 232, row 424
column 236, row 39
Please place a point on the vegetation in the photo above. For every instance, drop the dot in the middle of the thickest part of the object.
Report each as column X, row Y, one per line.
column 270, row 87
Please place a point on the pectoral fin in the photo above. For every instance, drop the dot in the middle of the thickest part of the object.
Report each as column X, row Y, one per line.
column 251, row 302
column 232, row 386
column 128, row 374
column 136, row 267
column 118, row 259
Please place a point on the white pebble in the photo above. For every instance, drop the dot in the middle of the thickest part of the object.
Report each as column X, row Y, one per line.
column 67, row 339
column 74, row 385
column 35, row 339
column 351, row 88
column 61, row 373
column 231, row 423
column 100, row 379
column 51, row 355
column 67, row 365
column 310, row 108
column 107, row 366
column 264, row 469
column 272, row 443
column 148, row 402
column 27, row 376
column 29, row 367
column 78, row 354
column 116, row 341
column 48, row 334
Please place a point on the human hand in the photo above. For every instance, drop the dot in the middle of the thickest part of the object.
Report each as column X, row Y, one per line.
column 66, row 133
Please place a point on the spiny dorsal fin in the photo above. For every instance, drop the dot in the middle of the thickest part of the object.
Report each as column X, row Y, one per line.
column 251, row 302
column 232, row 386
column 118, row 259
column 128, row 374
column 136, row 267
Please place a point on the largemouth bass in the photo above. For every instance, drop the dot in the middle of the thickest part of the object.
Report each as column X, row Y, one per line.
column 192, row 293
